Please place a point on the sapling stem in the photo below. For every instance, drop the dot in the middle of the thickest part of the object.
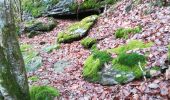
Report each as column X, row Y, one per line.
column 139, row 64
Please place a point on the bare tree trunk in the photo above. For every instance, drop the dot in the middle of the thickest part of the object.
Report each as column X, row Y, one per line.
column 13, row 80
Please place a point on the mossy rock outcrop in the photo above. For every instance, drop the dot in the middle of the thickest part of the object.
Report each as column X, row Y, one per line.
column 77, row 30
column 72, row 7
column 37, row 7
column 31, row 57
column 36, row 26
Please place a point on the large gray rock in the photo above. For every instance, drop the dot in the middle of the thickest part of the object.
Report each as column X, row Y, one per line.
column 61, row 8
column 70, row 7
column 60, row 65
column 34, row 64
column 37, row 26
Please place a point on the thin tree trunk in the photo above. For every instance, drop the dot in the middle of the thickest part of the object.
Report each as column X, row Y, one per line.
column 13, row 80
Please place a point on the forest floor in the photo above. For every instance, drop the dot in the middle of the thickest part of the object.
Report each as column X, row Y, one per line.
column 72, row 86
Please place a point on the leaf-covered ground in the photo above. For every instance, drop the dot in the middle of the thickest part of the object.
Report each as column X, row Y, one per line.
column 156, row 28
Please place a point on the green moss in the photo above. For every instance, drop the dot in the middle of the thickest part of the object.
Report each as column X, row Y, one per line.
column 135, row 69
column 93, row 65
column 91, row 4
column 157, row 68
column 37, row 7
column 64, row 37
column 133, row 44
column 77, row 30
column 103, row 56
column 131, row 59
column 49, row 49
column 91, row 68
column 43, row 93
column 128, row 63
column 124, row 32
column 88, row 42
column 25, row 47
column 28, row 52
column 33, row 78
column 120, row 78
column 31, row 59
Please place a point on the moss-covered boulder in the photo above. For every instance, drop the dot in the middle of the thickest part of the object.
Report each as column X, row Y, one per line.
column 123, row 69
column 72, row 7
column 93, row 65
column 77, row 30
column 38, row 26
column 31, row 57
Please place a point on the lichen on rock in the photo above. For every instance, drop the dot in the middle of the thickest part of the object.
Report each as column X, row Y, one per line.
column 31, row 58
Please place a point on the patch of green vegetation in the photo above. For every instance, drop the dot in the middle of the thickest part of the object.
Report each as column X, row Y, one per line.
column 133, row 44
column 91, row 4
column 49, row 49
column 157, row 68
column 43, row 93
column 25, row 47
column 31, row 57
column 64, row 37
column 77, row 30
column 33, row 78
column 37, row 7
column 94, row 63
column 130, row 59
column 124, row 32
column 28, row 52
column 88, row 42
column 128, row 63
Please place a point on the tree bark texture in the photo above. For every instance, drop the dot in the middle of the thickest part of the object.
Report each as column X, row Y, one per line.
column 13, row 80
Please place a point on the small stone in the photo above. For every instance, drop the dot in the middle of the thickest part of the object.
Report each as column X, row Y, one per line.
column 153, row 86
column 164, row 91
